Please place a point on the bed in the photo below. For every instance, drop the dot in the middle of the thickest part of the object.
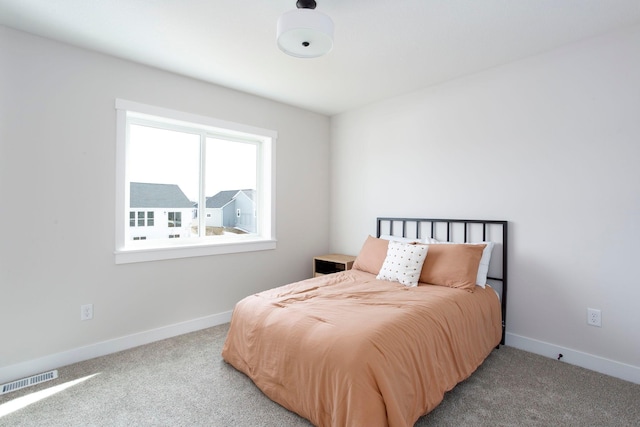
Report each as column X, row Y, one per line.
column 380, row 344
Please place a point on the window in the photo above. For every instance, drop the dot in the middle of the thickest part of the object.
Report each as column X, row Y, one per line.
column 140, row 219
column 175, row 219
column 190, row 178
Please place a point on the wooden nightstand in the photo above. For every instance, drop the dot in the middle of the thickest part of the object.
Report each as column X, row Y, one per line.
column 332, row 263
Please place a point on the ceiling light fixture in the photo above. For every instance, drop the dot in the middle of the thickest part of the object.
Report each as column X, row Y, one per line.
column 305, row 32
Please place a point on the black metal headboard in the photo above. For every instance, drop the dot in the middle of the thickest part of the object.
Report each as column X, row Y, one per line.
column 462, row 231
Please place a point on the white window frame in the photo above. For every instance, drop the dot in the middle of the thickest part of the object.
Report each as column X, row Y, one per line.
column 264, row 239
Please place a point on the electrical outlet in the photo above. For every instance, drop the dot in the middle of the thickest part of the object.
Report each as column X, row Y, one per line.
column 594, row 317
column 86, row 312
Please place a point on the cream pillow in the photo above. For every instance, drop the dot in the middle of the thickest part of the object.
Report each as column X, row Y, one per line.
column 403, row 263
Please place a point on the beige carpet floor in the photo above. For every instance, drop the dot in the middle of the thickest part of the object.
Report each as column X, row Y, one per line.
column 183, row 381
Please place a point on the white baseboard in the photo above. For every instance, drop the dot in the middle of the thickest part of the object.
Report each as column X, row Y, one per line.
column 585, row 360
column 53, row 361
column 20, row 370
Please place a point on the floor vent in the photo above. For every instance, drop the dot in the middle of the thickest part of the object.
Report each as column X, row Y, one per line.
column 26, row 382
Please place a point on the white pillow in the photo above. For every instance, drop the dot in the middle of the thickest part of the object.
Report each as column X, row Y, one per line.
column 403, row 263
column 483, row 268
column 400, row 239
column 430, row 240
column 409, row 239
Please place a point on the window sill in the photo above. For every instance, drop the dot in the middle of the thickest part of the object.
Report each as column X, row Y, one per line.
column 127, row 256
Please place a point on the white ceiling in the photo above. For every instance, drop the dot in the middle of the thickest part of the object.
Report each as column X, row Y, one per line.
column 382, row 48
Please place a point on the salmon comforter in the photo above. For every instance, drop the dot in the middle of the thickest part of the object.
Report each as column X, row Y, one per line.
column 346, row 349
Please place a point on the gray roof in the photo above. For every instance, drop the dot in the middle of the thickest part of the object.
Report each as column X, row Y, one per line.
column 224, row 197
column 145, row 195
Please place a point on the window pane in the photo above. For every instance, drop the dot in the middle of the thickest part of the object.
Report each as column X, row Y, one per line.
column 163, row 170
column 231, row 170
column 175, row 219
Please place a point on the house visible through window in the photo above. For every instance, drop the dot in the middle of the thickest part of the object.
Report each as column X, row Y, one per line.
column 191, row 177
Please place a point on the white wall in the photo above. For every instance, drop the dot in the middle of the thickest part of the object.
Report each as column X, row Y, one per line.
column 57, row 156
column 551, row 144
